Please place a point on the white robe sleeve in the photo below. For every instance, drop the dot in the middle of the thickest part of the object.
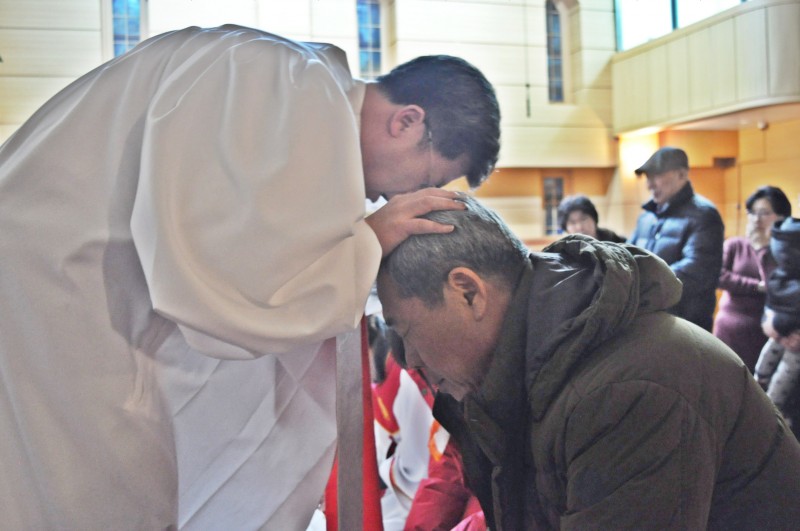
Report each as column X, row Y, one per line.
column 249, row 212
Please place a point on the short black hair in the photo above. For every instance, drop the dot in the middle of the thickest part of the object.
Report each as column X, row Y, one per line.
column 461, row 110
column 777, row 199
column 572, row 203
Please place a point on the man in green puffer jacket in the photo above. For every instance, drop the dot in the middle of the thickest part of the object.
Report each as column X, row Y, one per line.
column 577, row 401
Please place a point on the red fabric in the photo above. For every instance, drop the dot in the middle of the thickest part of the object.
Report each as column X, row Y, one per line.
column 371, row 495
column 442, row 499
column 474, row 522
column 383, row 395
column 331, row 507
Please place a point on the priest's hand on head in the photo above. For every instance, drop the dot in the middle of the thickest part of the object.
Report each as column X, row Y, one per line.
column 399, row 218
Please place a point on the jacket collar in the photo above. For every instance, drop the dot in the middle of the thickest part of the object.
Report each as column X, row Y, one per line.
column 683, row 196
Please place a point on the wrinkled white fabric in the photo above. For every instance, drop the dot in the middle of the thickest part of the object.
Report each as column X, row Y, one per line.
column 181, row 232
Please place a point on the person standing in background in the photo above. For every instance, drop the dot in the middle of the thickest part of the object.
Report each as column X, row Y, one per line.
column 746, row 264
column 778, row 367
column 578, row 215
column 685, row 230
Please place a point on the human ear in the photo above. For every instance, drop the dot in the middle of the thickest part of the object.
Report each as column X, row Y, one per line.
column 406, row 119
column 470, row 289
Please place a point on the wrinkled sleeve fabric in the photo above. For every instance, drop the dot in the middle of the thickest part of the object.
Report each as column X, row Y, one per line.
column 637, row 457
column 701, row 260
column 249, row 211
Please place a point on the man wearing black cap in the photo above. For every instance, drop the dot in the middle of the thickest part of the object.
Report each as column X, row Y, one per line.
column 684, row 229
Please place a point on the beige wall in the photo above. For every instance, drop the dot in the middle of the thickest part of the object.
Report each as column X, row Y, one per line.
column 47, row 43
column 744, row 57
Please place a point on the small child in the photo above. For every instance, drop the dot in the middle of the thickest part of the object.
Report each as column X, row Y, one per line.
column 778, row 367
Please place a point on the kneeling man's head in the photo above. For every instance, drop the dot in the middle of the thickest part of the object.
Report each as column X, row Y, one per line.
column 446, row 295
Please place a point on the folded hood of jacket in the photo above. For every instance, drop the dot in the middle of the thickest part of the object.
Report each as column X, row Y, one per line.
column 583, row 292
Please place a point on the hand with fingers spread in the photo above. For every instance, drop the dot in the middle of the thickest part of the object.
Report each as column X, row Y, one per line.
column 400, row 217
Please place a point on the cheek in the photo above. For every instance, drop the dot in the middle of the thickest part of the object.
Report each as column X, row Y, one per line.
column 441, row 355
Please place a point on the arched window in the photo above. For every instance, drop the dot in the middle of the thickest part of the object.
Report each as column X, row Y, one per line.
column 555, row 63
column 369, row 38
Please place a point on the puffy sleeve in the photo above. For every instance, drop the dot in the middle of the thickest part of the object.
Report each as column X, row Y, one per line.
column 637, row 458
column 249, row 211
column 701, row 257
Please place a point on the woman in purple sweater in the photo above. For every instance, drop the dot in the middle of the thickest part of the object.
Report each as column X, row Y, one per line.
column 746, row 264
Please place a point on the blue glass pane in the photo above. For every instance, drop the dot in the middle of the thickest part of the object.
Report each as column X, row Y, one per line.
column 364, row 62
column 374, row 14
column 119, row 6
column 120, row 27
column 133, row 27
column 120, row 48
column 363, row 15
column 376, row 37
column 363, row 37
column 376, row 61
column 133, row 8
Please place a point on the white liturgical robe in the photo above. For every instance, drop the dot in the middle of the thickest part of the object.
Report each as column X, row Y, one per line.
column 181, row 233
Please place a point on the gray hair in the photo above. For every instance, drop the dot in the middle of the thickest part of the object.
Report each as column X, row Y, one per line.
column 481, row 241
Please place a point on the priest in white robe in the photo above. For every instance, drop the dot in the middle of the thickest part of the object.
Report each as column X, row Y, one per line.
column 182, row 237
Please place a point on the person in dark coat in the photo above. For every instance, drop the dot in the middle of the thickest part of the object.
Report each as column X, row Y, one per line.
column 578, row 215
column 778, row 366
column 685, row 230
column 577, row 401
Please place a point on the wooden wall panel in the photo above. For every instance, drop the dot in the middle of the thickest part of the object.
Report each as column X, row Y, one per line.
column 699, row 71
column 621, row 78
column 596, row 101
column 658, row 74
column 723, row 63
column 639, row 93
column 293, row 18
column 678, row 82
column 513, row 109
column 52, row 14
column 594, row 67
column 168, row 15
column 751, row 51
column 556, row 147
column 752, row 146
column 466, row 22
column 598, row 29
column 702, row 147
column 783, row 143
column 745, row 57
column 21, row 96
column 783, row 33
column 49, row 53
column 503, row 65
